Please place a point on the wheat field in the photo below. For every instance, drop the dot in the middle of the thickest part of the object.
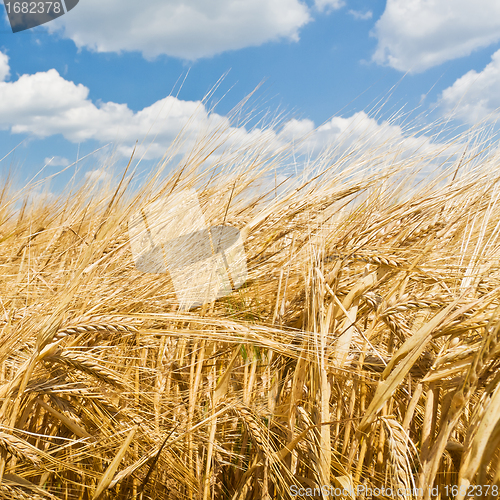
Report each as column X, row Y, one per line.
column 361, row 354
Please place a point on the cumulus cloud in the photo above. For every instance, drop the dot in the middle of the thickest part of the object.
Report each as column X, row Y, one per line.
column 97, row 175
column 4, row 67
column 56, row 161
column 45, row 104
column 361, row 142
column 475, row 96
column 328, row 5
column 189, row 29
column 360, row 15
column 414, row 35
column 359, row 132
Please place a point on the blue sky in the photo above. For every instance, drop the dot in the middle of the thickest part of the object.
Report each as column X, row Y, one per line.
column 101, row 74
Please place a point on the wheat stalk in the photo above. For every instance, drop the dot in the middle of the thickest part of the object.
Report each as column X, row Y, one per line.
column 82, row 363
column 19, row 448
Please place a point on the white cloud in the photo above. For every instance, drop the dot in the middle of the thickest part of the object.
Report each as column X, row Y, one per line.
column 188, row 29
column 4, row 67
column 359, row 142
column 297, row 130
column 56, row 161
column 328, row 5
column 414, row 35
column 358, row 131
column 360, row 15
column 97, row 175
column 475, row 96
column 45, row 104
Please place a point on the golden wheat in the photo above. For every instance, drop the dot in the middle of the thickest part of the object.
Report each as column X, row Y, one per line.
column 363, row 348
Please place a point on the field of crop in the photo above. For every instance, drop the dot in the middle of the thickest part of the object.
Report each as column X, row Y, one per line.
column 362, row 352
